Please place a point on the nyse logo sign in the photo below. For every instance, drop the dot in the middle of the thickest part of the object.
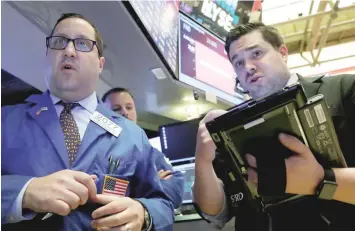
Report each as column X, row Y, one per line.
column 236, row 198
column 212, row 11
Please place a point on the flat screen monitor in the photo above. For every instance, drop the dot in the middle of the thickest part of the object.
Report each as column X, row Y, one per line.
column 188, row 170
column 218, row 16
column 160, row 20
column 178, row 140
column 203, row 62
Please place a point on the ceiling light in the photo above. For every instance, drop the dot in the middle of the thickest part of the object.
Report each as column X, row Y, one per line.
column 159, row 73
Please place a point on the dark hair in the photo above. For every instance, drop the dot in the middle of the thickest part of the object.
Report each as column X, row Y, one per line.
column 98, row 38
column 115, row 90
column 269, row 33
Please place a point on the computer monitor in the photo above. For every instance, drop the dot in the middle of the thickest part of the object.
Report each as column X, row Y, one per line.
column 158, row 20
column 189, row 175
column 203, row 62
column 178, row 140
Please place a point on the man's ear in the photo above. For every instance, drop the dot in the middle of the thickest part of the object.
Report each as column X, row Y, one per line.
column 101, row 63
column 284, row 52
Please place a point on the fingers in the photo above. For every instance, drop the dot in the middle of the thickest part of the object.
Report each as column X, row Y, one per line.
column 293, row 144
column 93, row 177
column 164, row 174
column 88, row 182
column 117, row 219
column 108, row 209
column 132, row 226
column 81, row 191
column 168, row 177
column 252, row 176
column 59, row 192
column 118, row 228
column 81, row 184
column 212, row 115
column 251, row 160
column 105, row 199
column 202, row 130
column 206, row 138
column 61, row 208
column 69, row 197
column 205, row 147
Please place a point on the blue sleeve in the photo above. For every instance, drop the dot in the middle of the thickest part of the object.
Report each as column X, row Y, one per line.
column 16, row 214
column 11, row 186
column 174, row 186
column 149, row 190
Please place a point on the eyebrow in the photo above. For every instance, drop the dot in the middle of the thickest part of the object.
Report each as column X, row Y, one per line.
column 247, row 49
column 126, row 104
column 79, row 36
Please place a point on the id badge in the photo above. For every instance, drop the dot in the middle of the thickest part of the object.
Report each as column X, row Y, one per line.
column 106, row 123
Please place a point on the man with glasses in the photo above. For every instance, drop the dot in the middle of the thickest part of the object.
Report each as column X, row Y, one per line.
column 67, row 158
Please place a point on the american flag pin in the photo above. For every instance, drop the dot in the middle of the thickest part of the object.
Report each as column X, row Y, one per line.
column 114, row 186
column 41, row 109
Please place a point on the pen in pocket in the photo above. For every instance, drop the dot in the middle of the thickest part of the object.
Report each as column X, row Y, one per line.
column 48, row 215
column 112, row 165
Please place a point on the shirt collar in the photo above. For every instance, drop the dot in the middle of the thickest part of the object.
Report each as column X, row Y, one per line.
column 89, row 103
column 292, row 80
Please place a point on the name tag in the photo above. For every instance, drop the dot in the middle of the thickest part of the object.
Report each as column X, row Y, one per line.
column 106, row 124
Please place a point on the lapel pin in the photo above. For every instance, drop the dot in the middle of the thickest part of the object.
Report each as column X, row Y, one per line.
column 41, row 109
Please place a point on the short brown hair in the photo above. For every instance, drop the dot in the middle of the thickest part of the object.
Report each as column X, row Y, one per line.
column 269, row 33
column 115, row 90
column 98, row 38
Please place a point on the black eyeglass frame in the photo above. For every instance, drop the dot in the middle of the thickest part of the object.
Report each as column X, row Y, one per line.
column 94, row 43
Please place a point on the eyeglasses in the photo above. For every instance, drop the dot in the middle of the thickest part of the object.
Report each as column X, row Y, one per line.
column 60, row 43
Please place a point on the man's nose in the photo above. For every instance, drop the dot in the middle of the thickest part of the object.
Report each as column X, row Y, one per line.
column 124, row 113
column 250, row 68
column 70, row 50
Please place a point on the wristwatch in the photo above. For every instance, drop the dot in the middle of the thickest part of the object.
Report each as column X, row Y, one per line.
column 328, row 186
column 147, row 225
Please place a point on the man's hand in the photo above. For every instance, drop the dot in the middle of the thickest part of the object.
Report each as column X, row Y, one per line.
column 303, row 171
column 207, row 190
column 205, row 147
column 165, row 175
column 123, row 213
column 59, row 192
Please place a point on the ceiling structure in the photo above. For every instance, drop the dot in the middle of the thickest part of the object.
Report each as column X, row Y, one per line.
column 130, row 57
column 310, row 26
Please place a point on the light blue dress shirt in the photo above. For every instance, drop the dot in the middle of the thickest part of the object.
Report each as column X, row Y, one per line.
column 81, row 116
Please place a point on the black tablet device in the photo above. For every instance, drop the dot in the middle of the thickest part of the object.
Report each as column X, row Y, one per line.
column 288, row 111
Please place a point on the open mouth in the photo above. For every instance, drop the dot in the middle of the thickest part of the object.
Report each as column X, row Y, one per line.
column 254, row 79
column 67, row 67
